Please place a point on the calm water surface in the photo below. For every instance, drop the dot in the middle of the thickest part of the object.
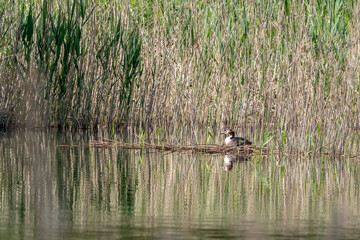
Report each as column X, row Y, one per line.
column 49, row 191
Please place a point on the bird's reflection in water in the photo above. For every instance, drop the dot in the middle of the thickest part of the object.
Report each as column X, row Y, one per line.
column 231, row 159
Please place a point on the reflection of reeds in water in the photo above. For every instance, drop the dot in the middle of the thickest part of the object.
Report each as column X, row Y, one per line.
column 83, row 186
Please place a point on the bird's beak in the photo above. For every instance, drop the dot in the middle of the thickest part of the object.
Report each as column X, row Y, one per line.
column 223, row 132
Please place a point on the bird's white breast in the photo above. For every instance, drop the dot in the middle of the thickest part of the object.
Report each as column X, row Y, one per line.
column 229, row 141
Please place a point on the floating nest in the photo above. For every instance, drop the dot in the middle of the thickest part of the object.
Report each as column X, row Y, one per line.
column 203, row 148
column 240, row 151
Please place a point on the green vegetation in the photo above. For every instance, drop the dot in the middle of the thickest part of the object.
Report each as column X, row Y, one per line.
column 286, row 71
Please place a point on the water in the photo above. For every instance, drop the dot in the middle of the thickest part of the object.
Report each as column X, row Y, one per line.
column 49, row 191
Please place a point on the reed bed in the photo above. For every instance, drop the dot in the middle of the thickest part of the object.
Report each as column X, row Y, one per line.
column 283, row 73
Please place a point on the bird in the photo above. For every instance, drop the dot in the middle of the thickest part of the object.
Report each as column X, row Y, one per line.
column 231, row 140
